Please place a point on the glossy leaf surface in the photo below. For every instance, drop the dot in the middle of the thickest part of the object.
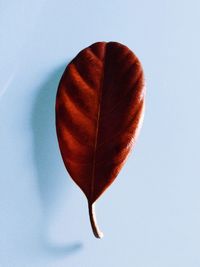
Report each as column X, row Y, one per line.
column 99, row 110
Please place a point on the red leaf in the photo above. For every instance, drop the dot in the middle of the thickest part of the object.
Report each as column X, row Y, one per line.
column 99, row 107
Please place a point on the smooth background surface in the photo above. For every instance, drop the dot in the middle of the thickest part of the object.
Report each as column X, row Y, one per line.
column 151, row 214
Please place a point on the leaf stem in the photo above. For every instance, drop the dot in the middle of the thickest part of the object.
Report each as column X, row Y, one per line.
column 97, row 232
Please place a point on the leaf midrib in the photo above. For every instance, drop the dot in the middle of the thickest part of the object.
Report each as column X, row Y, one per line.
column 97, row 126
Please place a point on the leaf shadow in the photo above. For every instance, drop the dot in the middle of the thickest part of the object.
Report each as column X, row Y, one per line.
column 62, row 250
column 48, row 161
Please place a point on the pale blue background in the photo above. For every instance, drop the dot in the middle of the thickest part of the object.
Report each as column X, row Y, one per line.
column 151, row 214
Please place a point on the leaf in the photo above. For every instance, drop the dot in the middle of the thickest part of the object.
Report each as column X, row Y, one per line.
column 99, row 108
